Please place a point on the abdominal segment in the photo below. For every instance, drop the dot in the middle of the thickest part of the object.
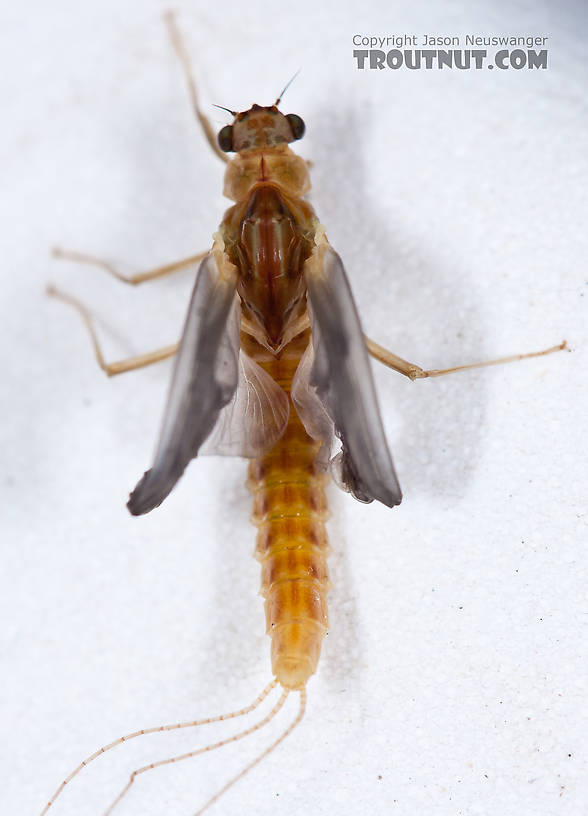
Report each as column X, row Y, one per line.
column 290, row 509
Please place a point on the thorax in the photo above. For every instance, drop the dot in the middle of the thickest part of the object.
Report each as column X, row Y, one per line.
column 268, row 235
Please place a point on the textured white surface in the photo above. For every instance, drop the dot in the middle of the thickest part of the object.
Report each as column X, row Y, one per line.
column 453, row 679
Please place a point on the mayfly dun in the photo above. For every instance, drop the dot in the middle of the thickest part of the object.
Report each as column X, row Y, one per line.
column 273, row 366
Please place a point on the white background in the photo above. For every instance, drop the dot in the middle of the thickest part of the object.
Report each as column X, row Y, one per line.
column 453, row 678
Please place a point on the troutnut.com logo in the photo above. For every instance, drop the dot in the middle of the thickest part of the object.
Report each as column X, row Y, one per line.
column 414, row 51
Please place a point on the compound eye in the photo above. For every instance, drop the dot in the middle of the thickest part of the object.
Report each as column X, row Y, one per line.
column 297, row 125
column 225, row 139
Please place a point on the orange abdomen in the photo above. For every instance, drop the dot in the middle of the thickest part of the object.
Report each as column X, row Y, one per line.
column 290, row 510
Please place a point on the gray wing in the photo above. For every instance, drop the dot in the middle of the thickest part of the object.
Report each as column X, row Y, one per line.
column 342, row 382
column 204, row 380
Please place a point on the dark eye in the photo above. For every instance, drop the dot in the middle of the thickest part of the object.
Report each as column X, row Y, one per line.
column 225, row 139
column 296, row 124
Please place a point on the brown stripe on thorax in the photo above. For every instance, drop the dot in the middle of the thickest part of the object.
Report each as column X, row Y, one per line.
column 268, row 237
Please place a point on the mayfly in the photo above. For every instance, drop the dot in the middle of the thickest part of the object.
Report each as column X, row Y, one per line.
column 273, row 366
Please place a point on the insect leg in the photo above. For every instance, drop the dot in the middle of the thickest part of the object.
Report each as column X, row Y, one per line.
column 119, row 367
column 415, row 372
column 180, row 49
column 134, row 280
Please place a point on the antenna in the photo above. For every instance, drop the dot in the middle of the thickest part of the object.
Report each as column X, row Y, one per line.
column 286, row 86
column 222, row 107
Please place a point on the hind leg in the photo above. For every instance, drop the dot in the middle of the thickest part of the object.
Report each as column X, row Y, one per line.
column 415, row 372
column 120, row 366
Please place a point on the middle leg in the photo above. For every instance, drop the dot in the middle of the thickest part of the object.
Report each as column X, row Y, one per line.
column 133, row 280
